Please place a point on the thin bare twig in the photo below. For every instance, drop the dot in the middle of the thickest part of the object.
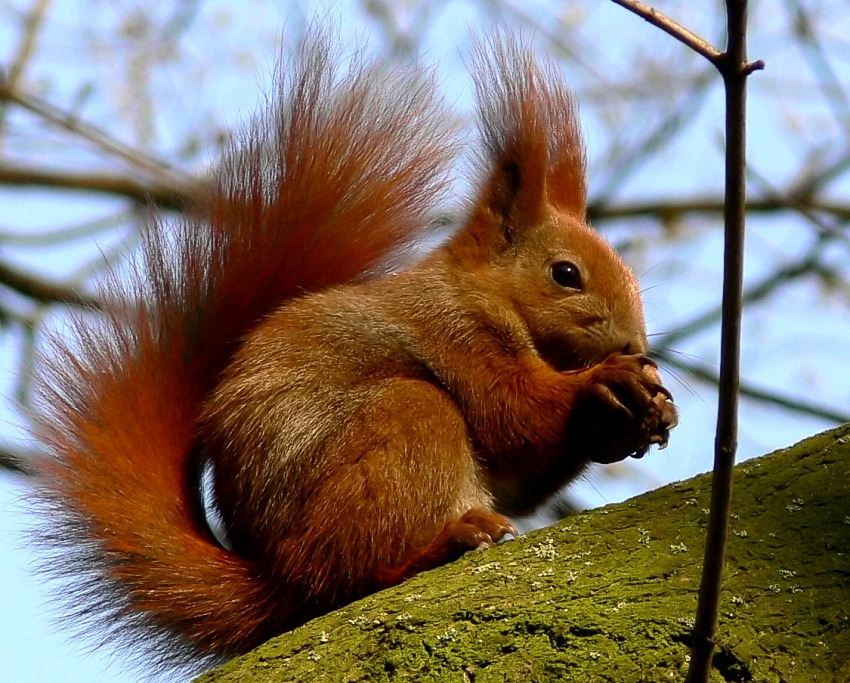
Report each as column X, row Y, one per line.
column 683, row 35
column 34, row 22
column 679, row 32
column 793, row 404
column 42, row 291
column 14, row 461
column 163, row 195
column 734, row 69
column 58, row 118
column 672, row 209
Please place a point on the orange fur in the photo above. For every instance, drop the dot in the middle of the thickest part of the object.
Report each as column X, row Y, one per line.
column 362, row 427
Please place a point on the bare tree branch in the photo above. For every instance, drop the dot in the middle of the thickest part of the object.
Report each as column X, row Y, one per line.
column 793, row 404
column 94, row 135
column 22, row 55
column 679, row 32
column 165, row 196
column 807, row 265
column 672, row 209
column 43, row 291
column 734, row 69
column 15, row 461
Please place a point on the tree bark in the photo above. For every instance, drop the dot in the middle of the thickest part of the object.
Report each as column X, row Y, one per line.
column 610, row 595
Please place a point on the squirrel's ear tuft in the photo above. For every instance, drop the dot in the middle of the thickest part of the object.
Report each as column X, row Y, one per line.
column 533, row 157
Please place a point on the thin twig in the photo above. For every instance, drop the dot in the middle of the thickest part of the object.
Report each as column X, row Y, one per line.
column 58, row 118
column 672, row 209
column 809, row 264
column 34, row 22
column 734, row 69
column 683, row 35
column 14, row 461
column 793, row 404
column 163, row 195
column 42, row 291
column 679, row 32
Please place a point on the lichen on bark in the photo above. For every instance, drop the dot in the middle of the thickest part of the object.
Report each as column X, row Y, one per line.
column 609, row 595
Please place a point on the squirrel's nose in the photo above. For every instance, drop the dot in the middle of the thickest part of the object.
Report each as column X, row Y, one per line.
column 631, row 348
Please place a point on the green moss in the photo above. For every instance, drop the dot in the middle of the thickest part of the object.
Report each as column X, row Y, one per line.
column 610, row 595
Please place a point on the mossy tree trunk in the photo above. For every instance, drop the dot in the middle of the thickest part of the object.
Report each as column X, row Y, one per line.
column 609, row 595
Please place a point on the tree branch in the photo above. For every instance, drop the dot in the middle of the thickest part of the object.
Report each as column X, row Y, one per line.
column 734, row 69
column 94, row 135
column 672, row 209
column 42, row 291
column 791, row 404
column 32, row 25
column 166, row 196
column 679, row 32
column 14, row 461
column 605, row 596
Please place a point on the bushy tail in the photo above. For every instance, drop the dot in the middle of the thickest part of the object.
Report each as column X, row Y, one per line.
column 327, row 186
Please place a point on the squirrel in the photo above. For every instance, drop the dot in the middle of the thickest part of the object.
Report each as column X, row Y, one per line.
column 361, row 422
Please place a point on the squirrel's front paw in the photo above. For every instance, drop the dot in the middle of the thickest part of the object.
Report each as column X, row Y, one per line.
column 664, row 416
column 626, row 409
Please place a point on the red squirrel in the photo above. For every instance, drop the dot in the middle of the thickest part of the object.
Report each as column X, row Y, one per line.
column 361, row 423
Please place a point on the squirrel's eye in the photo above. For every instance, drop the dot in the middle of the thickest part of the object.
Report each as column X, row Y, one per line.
column 566, row 274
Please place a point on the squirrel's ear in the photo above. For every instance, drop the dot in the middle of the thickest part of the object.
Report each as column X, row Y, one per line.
column 514, row 192
column 533, row 157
